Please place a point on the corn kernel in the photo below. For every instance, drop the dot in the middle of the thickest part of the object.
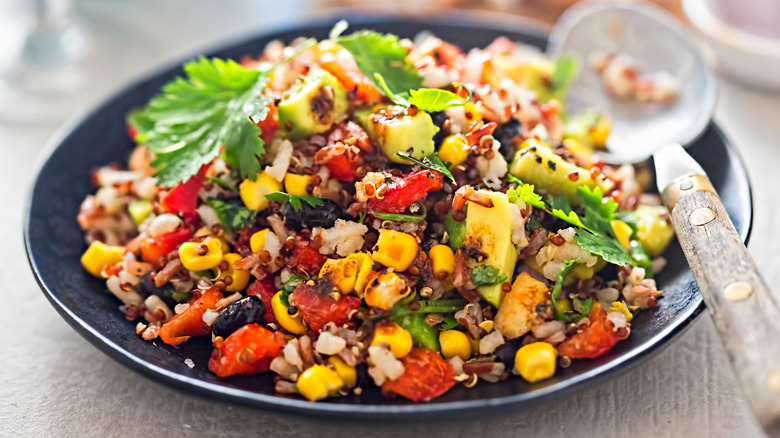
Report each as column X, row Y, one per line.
column 296, row 184
column 99, row 255
column 618, row 306
column 253, row 192
column 257, row 241
column 293, row 324
column 239, row 277
column 190, row 259
column 397, row 338
column 454, row 343
column 342, row 273
column 395, row 249
column 454, row 150
column 384, row 290
column 365, row 265
column 319, row 382
column 598, row 132
column 347, row 373
column 536, row 361
column 442, row 259
column 622, row 232
column 583, row 272
column 563, row 305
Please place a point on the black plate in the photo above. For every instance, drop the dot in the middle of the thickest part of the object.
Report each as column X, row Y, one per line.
column 54, row 244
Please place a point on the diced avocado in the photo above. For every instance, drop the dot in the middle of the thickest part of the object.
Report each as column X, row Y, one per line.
column 551, row 174
column 652, row 230
column 489, row 230
column 139, row 210
column 537, row 77
column 396, row 131
column 455, row 230
column 313, row 105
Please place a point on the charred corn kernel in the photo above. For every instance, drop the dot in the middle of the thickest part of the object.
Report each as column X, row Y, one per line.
column 618, row 306
column 454, row 343
column 397, row 338
column 296, row 184
column 342, row 273
column 365, row 265
column 257, row 241
column 454, row 150
column 253, row 192
column 384, row 290
column 319, row 382
column 189, row 254
column 99, row 255
column 563, row 305
column 239, row 277
column 442, row 259
column 293, row 324
column 395, row 249
column 622, row 232
column 139, row 210
column 347, row 373
column 536, row 361
column 598, row 132
column 583, row 272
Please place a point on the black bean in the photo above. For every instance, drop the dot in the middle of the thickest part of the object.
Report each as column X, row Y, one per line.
column 506, row 353
column 439, row 117
column 504, row 133
column 324, row 216
column 249, row 310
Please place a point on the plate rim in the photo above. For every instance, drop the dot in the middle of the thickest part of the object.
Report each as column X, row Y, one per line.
column 373, row 412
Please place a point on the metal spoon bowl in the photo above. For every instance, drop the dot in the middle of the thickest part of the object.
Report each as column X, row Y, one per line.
column 656, row 41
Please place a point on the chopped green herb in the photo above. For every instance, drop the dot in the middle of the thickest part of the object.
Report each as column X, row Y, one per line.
column 449, row 323
column 486, row 275
column 424, row 99
column 288, row 287
column 224, row 184
column 431, row 162
column 399, row 217
column 295, row 200
column 512, row 180
column 525, row 193
column 556, row 292
column 582, row 307
column 566, row 69
column 232, row 217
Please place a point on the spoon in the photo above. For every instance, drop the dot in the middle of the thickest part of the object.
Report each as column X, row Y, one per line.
column 745, row 312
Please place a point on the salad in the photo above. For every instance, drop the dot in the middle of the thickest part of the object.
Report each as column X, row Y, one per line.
column 374, row 211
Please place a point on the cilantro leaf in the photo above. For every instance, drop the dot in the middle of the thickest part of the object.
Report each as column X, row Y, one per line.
column 486, row 275
column 525, row 193
column 582, row 307
column 566, row 69
column 295, row 200
column 431, row 162
column 556, row 292
column 288, row 287
column 449, row 323
column 222, row 183
column 598, row 212
column 608, row 248
column 232, row 217
column 381, row 53
column 434, row 99
column 217, row 103
column 511, row 179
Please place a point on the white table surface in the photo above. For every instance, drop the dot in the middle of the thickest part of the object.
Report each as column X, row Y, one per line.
column 54, row 383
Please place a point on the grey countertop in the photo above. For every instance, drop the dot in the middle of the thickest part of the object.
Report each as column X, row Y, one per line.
column 54, row 383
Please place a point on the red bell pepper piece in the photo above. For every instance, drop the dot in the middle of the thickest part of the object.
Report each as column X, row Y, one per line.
column 270, row 124
column 401, row 193
column 183, row 197
column 248, row 350
column 190, row 322
column 152, row 248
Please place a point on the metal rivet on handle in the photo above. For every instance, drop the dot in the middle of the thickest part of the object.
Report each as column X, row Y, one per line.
column 738, row 291
column 701, row 216
column 773, row 381
column 686, row 185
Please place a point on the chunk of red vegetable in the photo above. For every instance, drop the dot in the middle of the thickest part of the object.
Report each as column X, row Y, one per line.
column 248, row 350
column 403, row 192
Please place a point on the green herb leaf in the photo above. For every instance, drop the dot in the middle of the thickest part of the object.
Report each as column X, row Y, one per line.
column 140, row 121
column 449, row 323
column 362, row 217
column 566, row 69
column 525, row 193
column 288, row 287
column 598, row 212
column 295, row 200
column 511, row 179
column 582, row 307
column 216, row 104
column 556, row 292
column 431, row 162
column 608, row 248
column 381, row 53
column 232, row 217
column 434, row 99
column 399, row 217
column 224, row 184
column 487, row 275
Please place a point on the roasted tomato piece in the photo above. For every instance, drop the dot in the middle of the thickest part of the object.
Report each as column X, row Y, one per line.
column 343, row 167
column 319, row 304
column 183, row 197
column 401, row 193
column 426, row 375
column 592, row 342
column 309, row 259
column 249, row 350
column 270, row 124
column 152, row 248
column 266, row 290
column 478, row 132
column 190, row 322
column 354, row 81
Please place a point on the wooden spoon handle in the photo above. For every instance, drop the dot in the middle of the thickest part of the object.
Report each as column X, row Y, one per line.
column 745, row 312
